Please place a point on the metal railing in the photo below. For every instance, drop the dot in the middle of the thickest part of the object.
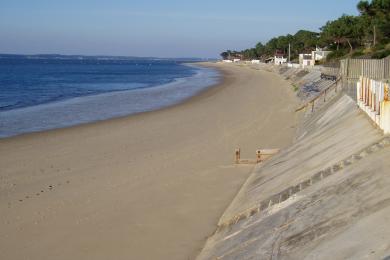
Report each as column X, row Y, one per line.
column 322, row 94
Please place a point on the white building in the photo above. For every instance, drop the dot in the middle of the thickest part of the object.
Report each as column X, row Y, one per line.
column 255, row 61
column 279, row 58
column 309, row 59
column 236, row 60
column 227, row 61
column 319, row 54
column 306, row 60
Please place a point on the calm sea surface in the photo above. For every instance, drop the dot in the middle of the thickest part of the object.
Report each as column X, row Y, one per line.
column 41, row 94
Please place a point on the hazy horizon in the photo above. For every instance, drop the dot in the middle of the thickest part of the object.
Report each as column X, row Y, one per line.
column 172, row 29
column 98, row 55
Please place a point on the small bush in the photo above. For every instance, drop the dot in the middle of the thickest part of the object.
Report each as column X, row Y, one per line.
column 379, row 47
column 381, row 54
column 336, row 54
column 358, row 53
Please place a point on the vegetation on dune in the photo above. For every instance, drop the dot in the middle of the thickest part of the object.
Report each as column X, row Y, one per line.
column 367, row 34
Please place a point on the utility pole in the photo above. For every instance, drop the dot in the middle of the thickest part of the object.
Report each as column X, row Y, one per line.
column 289, row 53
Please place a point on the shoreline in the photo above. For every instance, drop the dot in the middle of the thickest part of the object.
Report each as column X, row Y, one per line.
column 212, row 89
column 215, row 75
column 161, row 179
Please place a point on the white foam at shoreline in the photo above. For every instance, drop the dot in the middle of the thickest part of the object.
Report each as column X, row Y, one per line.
column 103, row 106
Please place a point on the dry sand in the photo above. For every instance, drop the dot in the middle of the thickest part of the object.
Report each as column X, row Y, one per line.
column 149, row 186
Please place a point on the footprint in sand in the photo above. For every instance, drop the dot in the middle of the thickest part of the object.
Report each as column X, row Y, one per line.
column 42, row 191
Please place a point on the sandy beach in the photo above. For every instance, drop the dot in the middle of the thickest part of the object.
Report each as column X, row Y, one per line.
column 149, row 186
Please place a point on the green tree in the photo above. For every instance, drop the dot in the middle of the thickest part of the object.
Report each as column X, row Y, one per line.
column 249, row 53
column 344, row 34
column 376, row 15
column 305, row 40
column 224, row 55
column 260, row 50
column 346, row 29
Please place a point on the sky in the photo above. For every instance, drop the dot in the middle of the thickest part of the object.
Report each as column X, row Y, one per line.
column 158, row 28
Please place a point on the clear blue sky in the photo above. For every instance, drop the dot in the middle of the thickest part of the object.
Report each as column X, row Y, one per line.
column 162, row 28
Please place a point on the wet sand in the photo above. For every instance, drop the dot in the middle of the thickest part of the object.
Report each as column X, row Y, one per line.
column 149, row 186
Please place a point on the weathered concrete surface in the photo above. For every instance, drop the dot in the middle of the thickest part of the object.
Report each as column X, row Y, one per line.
column 325, row 197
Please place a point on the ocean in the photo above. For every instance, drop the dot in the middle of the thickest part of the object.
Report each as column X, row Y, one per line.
column 38, row 94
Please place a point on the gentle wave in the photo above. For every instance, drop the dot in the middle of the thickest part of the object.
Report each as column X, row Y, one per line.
column 93, row 108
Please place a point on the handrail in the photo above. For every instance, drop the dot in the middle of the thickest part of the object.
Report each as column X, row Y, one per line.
column 318, row 96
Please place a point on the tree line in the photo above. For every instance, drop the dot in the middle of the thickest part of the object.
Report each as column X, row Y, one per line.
column 365, row 34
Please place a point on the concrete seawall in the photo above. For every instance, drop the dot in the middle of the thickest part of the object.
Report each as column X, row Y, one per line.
column 325, row 197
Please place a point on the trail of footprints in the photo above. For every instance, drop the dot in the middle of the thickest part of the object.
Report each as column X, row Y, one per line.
column 292, row 190
column 47, row 189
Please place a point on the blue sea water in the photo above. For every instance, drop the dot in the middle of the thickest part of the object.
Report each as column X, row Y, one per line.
column 41, row 94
